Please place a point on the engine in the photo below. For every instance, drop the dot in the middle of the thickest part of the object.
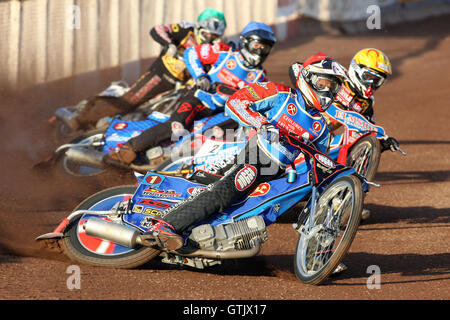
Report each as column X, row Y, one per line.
column 238, row 235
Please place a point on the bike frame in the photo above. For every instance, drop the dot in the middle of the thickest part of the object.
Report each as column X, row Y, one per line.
column 157, row 192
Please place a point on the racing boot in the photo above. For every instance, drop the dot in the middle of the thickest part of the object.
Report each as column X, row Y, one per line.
column 365, row 214
column 123, row 155
column 164, row 235
column 68, row 118
column 339, row 269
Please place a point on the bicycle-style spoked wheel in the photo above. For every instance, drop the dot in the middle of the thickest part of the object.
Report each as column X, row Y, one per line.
column 324, row 242
column 365, row 156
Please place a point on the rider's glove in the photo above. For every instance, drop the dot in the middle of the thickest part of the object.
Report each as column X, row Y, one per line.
column 203, row 83
column 269, row 132
column 389, row 143
column 171, row 50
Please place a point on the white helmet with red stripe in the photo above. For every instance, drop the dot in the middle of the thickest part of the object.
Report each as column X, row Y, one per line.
column 318, row 79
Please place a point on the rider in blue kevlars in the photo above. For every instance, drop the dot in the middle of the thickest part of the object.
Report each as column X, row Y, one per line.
column 208, row 64
column 275, row 111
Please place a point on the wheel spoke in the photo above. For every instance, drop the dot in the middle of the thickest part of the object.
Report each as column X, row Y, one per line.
column 321, row 241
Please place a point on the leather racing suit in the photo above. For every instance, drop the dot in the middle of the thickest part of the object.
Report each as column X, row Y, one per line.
column 258, row 105
column 220, row 64
column 161, row 76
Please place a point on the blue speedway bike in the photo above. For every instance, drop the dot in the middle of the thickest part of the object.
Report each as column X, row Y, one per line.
column 83, row 155
column 109, row 228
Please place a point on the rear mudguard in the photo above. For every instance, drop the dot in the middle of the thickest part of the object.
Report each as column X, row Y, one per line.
column 58, row 233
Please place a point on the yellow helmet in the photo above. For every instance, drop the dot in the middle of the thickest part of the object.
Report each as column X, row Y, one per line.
column 368, row 70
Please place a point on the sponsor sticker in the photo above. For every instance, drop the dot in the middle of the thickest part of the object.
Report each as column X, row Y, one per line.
column 120, row 125
column 195, row 190
column 231, row 64
column 317, row 126
column 245, row 177
column 292, row 109
column 260, row 190
column 157, row 204
column 253, row 93
column 325, row 161
column 137, row 208
column 161, row 193
column 152, row 211
column 153, row 179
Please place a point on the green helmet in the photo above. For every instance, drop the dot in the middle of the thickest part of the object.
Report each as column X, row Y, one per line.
column 210, row 26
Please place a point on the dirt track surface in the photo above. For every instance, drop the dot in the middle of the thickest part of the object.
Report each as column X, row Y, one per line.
column 406, row 236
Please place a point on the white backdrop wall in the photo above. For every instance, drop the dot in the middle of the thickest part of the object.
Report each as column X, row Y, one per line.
column 46, row 40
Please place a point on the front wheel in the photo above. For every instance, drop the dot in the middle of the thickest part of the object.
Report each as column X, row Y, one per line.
column 365, row 156
column 325, row 240
column 80, row 247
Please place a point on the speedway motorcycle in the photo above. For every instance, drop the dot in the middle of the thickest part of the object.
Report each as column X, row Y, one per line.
column 111, row 227
column 357, row 144
column 164, row 102
column 83, row 155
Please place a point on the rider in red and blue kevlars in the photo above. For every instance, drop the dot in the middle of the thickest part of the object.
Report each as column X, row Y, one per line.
column 275, row 111
column 210, row 65
column 369, row 69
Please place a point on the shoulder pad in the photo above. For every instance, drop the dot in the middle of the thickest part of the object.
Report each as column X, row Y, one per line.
column 186, row 25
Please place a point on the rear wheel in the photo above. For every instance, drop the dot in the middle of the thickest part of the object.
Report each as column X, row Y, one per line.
column 324, row 242
column 85, row 249
column 365, row 156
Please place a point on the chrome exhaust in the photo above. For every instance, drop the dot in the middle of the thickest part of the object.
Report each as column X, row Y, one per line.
column 114, row 232
column 131, row 238
column 88, row 157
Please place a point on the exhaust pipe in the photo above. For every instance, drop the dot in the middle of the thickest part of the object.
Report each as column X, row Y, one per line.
column 130, row 238
column 113, row 232
column 222, row 255
column 88, row 157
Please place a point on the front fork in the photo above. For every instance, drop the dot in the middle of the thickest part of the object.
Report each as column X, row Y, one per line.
column 310, row 210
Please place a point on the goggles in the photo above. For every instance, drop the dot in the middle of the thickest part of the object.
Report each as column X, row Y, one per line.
column 256, row 46
column 371, row 78
column 324, row 84
column 208, row 36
